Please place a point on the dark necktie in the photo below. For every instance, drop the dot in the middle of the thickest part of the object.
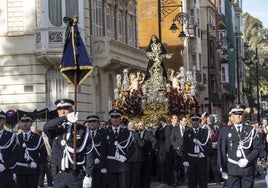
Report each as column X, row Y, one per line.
column 25, row 137
column 238, row 130
column 92, row 134
column 182, row 130
column 196, row 131
column 115, row 132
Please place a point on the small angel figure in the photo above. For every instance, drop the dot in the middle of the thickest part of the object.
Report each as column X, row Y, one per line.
column 175, row 79
column 136, row 80
column 118, row 80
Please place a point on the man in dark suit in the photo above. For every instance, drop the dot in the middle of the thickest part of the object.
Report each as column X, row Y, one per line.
column 177, row 144
column 97, row 135
column 9, row 152
column 148, row 149
column 61, row 131
column 238, row 148
column 118, row 148
column 135, row 161
column 164, row 148
column 196, row 146
column 32, row 154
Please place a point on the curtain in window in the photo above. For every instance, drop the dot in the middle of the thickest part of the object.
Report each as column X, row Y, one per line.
column 71, row 8
column 55, row 12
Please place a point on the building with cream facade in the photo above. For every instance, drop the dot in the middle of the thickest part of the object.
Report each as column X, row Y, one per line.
column 32, row 38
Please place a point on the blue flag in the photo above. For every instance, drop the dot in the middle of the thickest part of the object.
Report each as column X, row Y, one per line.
column 75, row 59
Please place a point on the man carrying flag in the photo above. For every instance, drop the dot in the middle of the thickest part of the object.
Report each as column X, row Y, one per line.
column 71, row 152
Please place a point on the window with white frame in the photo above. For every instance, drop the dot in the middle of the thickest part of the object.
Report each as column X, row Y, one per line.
column 120, row 26
column 224, row 73
column 97, row 18
column 56, row 87
column 59, row 8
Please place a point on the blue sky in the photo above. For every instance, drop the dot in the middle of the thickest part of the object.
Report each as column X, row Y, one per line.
column 257, row 9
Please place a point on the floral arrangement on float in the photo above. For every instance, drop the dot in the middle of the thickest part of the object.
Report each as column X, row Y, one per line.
column 137, row 102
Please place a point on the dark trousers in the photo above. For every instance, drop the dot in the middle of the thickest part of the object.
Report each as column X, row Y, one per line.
column 27, row 180
column 197, row 173
column 146, row 171
column 212, row 166
column 165, row 167
column 116, row 180
column 98, row 179
column 45, row 170
column 133, row 175
column 240, row 181
column 178, row 168
column 68, row 179
column 6, row 180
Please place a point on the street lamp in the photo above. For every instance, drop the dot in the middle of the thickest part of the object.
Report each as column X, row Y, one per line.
column 181, row 18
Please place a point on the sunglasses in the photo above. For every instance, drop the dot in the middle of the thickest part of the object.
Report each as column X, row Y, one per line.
column 1, row 118
column 26, row 121
column 195, row 119
column 115, row 116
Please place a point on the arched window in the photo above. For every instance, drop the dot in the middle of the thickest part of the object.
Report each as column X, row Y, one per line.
column 56, row 87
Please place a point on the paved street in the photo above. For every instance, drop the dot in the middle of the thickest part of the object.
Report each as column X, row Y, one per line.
column 259, row 183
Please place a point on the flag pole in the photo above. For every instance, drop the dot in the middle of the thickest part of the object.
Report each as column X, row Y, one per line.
column 75, row 96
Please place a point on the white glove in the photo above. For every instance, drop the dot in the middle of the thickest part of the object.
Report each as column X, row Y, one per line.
column 14, row 177
column 33, row 165
column 103, row 170
column 122, row 158
column 186, row 163
column 243, row 162
column 224, row 175
column 168, row 56
column 2, row 168
column 201, row 155
column 71, row 117
column 96, row 161
column 87, row 182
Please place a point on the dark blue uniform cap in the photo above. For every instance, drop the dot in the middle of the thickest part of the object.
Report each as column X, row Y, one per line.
column 26, row 117
column 61, row 103
column 115, row 112
column 195, row 117
column 238, row 108
column 93, row 118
